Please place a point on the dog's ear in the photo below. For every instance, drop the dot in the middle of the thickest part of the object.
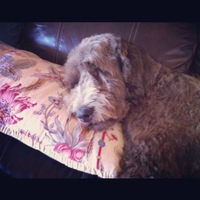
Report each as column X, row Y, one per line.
column 72, row 75
column 138, row 69
column 131, row 63
column 125, row 60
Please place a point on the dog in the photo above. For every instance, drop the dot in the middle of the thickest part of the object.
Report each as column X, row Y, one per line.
column 112, row 80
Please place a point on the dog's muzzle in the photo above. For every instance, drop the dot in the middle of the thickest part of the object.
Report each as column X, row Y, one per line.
column 85, row 114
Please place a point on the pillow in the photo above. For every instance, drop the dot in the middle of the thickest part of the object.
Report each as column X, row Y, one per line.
column 32, row 110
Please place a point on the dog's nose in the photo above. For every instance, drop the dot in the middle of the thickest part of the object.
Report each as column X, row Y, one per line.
column 85, row 114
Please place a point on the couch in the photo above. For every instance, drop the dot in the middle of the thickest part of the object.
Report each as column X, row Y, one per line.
column 175, row 45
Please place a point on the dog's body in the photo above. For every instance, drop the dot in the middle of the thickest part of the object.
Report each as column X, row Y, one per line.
column 111, row 80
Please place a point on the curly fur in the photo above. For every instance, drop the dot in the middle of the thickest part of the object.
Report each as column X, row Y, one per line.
column 111, row 80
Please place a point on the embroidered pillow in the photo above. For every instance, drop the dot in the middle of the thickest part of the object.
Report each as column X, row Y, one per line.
column 32, row 110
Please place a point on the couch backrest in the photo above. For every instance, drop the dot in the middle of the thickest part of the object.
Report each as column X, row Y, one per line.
column 171, row 44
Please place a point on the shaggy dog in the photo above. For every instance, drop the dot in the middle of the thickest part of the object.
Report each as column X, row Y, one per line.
column 111, row 80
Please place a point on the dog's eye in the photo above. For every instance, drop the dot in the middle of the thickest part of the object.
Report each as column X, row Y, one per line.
column 97, row 69
column 95, row 74
column 105, row 72
column 94, row 70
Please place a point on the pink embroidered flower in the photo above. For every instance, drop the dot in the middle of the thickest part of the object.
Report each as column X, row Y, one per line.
column 63, row 148
column 77, row 155
column 11, row 104
column 74, row 154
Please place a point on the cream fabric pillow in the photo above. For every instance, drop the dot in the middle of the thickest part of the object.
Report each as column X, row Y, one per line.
column 32, row 110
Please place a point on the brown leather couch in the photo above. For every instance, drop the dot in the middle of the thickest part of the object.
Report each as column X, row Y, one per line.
column 175, row 45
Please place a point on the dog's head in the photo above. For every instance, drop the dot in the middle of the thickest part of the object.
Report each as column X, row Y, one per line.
column 97, row 73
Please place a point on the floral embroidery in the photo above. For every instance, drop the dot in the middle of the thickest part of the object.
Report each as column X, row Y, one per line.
column 54, row 75
column 71, row 143
column 74, row 145
column 102, row 144
column 51, row 130
column 11, row 104
column 28, row 134
column 10, row 68
column 74, row 154
column 48, row 111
